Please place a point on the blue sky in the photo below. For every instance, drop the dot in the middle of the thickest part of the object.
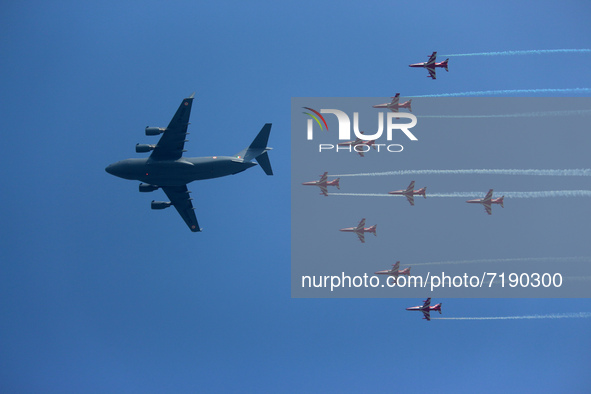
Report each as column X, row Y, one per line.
column 100, row 293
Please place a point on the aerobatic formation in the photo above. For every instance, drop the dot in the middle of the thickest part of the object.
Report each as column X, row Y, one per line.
column 396, row 106
column 167, row 169
column 409, row 193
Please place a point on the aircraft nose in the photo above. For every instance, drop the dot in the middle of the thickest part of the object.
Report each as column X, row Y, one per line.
column 114, row 169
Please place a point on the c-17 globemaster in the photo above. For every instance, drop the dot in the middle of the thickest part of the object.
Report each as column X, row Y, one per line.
column 167, row 169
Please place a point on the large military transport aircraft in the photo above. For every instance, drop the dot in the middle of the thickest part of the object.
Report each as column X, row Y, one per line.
column 167, row 169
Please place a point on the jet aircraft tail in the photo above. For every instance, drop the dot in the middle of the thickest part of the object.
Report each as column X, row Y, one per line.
column 372, row 229
column 409, row 103
column 444, row 64
column 336, row 182
column 501, row 201
column 258, row 150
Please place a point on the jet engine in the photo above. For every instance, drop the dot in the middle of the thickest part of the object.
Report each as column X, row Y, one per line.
column 146, row 187
column 154, row 130
column 143, row 148
column 160, row 204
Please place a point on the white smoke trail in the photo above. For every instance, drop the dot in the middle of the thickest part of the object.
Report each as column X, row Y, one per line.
column 501, row 281
column 529, row 52
column 506, row 91
column 543, row 194
column 575, row 315
column 573, row 172
column 365, row 194
column 556, row 260
column 565, row 278
column 519, row 115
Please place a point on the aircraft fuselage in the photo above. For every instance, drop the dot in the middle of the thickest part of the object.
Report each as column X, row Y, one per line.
column 426, row 65
column 393, row 106
column 177, row 172
column 420, row 192
column 481, row 201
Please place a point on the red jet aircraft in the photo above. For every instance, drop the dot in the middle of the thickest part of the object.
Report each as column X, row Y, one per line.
column 323, row 182
column 358, row 142
column 409, row 193
column 487, row 201
column 360, row 230
column 395, row 271
column 430, row 65
column 395, row 105
column 426, row 308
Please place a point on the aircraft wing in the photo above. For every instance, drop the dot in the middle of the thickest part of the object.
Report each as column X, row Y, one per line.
column 427, row 303
column 411, row 199
column 395, row 99
column 323, row 190
column 361, row 225
column 432, row 73
column 432, row 58
column 394, row 109
column 396, row 266
column 179, row 197
column 488, row 196
column 361, row 237
column 172, row 142
column 427, row 314
column 488, row 208
column 411, row 186
column 323, row 177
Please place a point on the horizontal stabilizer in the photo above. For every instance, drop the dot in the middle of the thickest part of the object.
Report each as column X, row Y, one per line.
column 265, row 164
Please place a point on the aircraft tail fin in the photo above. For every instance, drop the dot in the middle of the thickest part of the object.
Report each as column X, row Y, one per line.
column 373, row 229
column 258, row 150
column 425, row 192
column 336, row 182
column 445, row 64
column 440, row 307
column 409, row 103
column 501, row 201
